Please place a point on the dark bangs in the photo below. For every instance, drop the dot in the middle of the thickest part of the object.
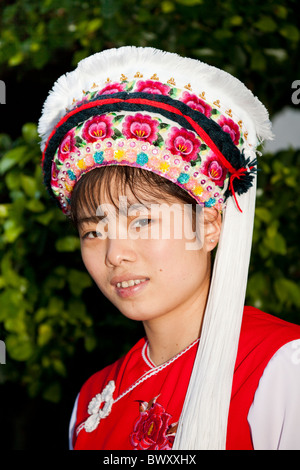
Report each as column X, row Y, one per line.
column 143, row 184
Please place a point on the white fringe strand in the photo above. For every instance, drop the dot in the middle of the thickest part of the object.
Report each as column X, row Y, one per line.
column 203, row 422
column 112, row 63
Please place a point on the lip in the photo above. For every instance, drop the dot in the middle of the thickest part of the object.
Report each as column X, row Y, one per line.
column 127, row 277
column 126, row 292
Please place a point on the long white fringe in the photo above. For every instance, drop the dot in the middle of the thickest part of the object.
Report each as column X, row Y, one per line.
column 203, row 422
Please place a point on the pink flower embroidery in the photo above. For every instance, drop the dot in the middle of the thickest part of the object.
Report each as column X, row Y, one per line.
column 140, row 127
column 184, row 143
column 228, row 125
column 148, row 86
column 98, row 127
column 196, row 103
column 152, row 430
column 112, row 88
column 67, row 145
column 54, row 175
column 214, row 169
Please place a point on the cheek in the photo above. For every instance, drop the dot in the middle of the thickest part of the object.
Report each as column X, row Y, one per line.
column 174, row 263
column 93, row 261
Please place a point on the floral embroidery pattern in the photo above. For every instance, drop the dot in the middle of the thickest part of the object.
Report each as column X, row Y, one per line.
column 112, row 88
column 214, row 169
column 152, row 430
column 96, row 410
column 141, row 127
column 98, row 127
column 149, row 86
column 184, row 143
column 67, row 145
column 229, row 126
column 143, row 147
column 175, row 153
column 194, row 102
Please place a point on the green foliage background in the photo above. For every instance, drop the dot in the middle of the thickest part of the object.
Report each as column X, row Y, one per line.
column 57, row 327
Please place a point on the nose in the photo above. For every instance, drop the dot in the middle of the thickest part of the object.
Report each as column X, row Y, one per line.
column 119, row 251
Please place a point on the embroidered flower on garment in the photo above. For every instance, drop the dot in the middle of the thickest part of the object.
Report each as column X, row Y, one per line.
column 214, row 169
column 152, row 430
column 184, row 143
column 54, row 175
column 140, row 127
column 148, row 86
column 67, row 145
column 196, row 103
column 112, row 88
column 229, row 126
column 98, row 127
column 95, row 408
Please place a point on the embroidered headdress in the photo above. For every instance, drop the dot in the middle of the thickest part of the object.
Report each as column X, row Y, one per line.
column 197, row 126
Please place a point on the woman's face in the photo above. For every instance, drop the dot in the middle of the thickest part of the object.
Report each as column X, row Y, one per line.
column 145, row 258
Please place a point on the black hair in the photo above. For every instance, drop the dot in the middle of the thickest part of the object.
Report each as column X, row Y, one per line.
column 141, row 183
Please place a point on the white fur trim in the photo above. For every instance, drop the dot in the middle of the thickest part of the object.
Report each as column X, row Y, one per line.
column 112, row 63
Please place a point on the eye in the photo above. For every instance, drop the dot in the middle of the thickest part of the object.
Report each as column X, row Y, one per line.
column 139, row 223
column 91, row 235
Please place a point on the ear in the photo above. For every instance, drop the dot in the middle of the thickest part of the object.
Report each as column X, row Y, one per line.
column 212, row 228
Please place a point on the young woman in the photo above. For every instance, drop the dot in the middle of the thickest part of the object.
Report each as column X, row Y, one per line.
column 153, row 157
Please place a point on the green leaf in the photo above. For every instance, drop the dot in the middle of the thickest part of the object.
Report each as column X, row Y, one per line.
column 287, row 291
column 29, row 131
column 266, row 24
column 16, row 59
column 290, row 32
column 118, row 119
column 94, row 24
column 275, row 242
column 263, row 214
column 12, row 230
column 78, row 281
column 4, row 210
column 19, row 348
column 28, row 183
column 236, row 20
column 45, row 218
column 59, row 367
column 45, row 333
column 55, row 307
column 35, row 206
column 167, row 6
column 117, row 133
column 11, row 158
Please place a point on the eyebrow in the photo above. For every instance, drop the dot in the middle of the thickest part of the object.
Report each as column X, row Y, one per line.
column 123, row 211
column 92, row 218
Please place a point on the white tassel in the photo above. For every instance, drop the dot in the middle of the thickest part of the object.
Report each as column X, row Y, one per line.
column 203, row 422
column 217, row 84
